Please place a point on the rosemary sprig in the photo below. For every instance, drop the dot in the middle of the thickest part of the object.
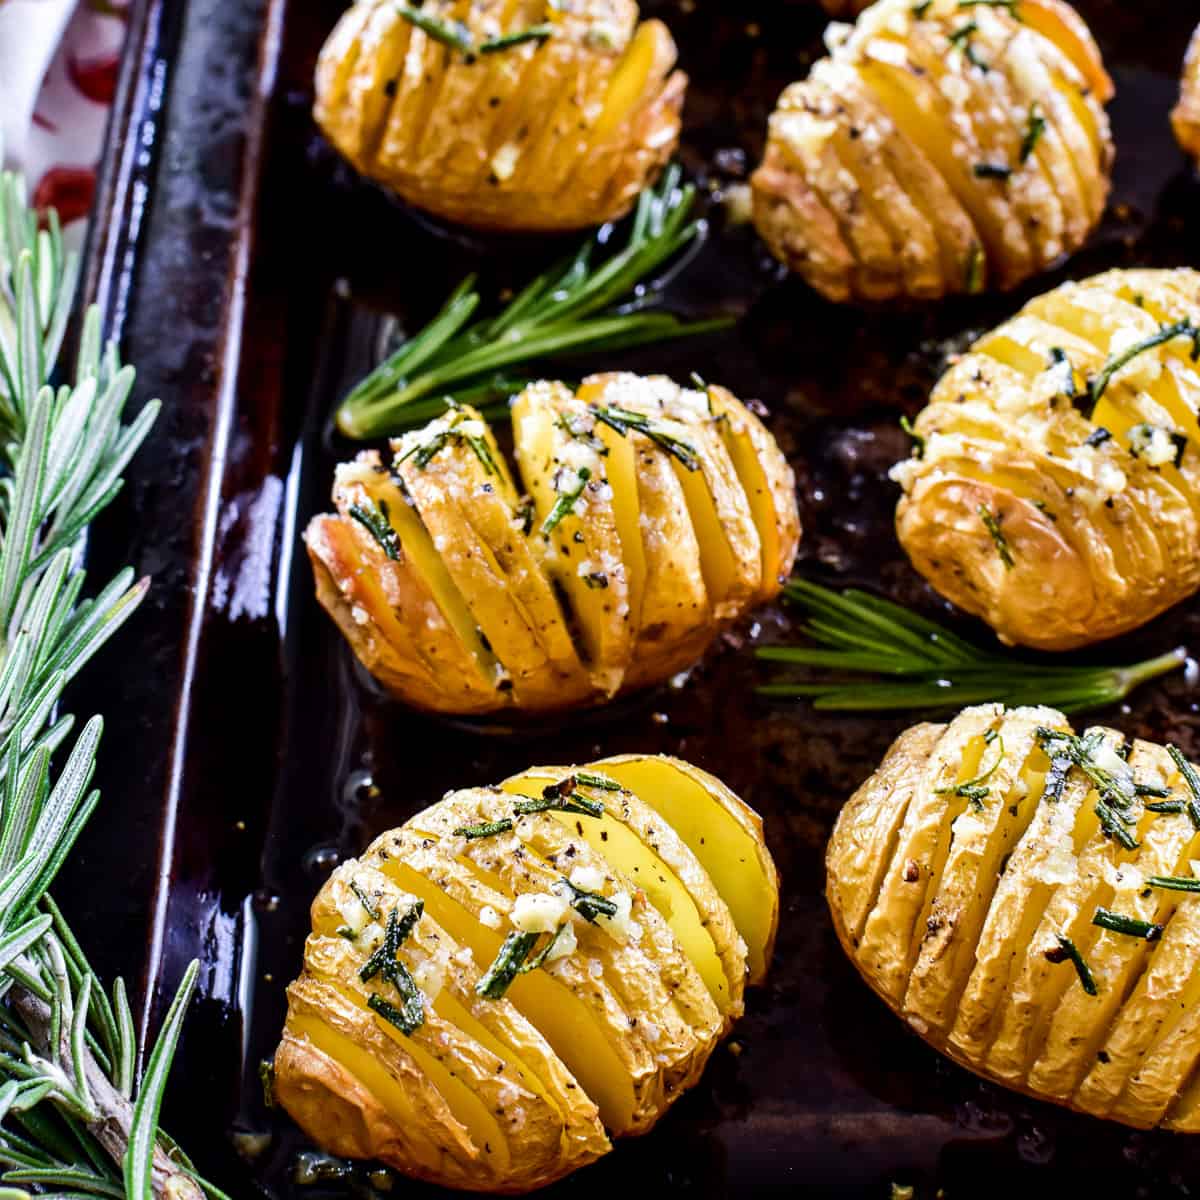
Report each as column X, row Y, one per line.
column 375, row 521
column 535, row 33
column 585, row 303
column 72, row 1116
column 566, row 501
column 589, row 905
column 1192, row 779
column 450, row 33
column 1116, row 789
column 883, row 657
column 991, row 522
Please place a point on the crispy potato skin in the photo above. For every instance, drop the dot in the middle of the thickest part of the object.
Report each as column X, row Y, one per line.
column 556, row 135
column 900, row 168
column 952, row 910
column 1185, row 117
column 459, row 596
column 1099, row 513
column 476, row 1093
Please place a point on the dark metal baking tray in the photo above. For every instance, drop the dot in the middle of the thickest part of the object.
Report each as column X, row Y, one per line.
column 244, row 271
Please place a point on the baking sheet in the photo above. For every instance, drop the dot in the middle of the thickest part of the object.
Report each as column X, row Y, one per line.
column 246, row 271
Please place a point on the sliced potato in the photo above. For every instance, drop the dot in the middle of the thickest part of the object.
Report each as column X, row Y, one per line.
column 657, row 514
column 939, row 148
column 1185, row 117
column 505, row 130
column 996, row 882
column 487, row 985
column 1058, row 495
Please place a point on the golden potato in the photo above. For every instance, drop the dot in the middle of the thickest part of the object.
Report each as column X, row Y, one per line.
column 941, row 147
column 1185, row 117
column 516, row 969
column 1019, row 894
column 503, row 114
column 656, row 514
column 1056, row 488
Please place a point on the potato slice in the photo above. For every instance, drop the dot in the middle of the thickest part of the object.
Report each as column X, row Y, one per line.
column 455, row 474
column 647, row 850
column 723, row 833
column 566, row 476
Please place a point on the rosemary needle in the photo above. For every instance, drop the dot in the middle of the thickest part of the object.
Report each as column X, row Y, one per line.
column 882, row 656
column 585, row 303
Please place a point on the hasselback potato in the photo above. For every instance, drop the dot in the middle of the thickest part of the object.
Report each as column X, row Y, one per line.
column 1021, row 896
column 941, row 147
column 518, row 969
column 503, row 114
column 1055, row 489
column 656, row 514
column 1185, row 118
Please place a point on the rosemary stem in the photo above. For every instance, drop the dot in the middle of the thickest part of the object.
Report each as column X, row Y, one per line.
column 114, row 1120
column 1127, row 678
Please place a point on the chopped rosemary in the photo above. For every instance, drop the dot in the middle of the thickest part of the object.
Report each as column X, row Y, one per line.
column 585, row 303
column 1098, row 436
column 991, row 522
column 1174, row 883
column 346, row 932
column 450, row 33
column 1011, row 5
column 919, row 10
column 595, row 780
column 623, row 421
column 1167, row 333
column 1133, row 926
column 1068, row 950
column 960, row 39
column 1165, row 806
column 589, row 905
column 383, row 961
column 404, row 1019
column 975, row 790
column 1192, row 779
column 364, row 900
column 561, row 797
column 566, row 501
column 375, row 521
column 917, row 440
column 506, row 965
column 974, row 273
column 1115, row 789
column 1035, row 128
column 535, row 33
column 883, row 656
column 488, row 829
column 540, row 957
column 1141, row 440
column 1151, row 789
column 987, row 170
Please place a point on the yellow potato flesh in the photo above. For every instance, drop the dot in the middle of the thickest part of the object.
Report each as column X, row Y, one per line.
column 628, row 82
column 603, row 626
column 464, row 1104
column 562, row 1019
column 620, row 846
column 754, row 483
column 723, row 846
column 359, row 1062
column 419, row 548
column 622, row 475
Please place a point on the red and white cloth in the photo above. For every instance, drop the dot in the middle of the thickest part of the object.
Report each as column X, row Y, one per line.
column 58, row 70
